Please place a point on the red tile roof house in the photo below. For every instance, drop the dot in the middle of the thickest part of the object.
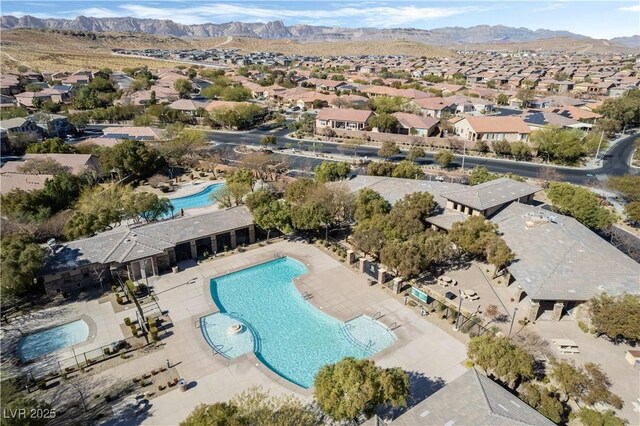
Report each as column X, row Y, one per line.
column 436, row 107
column 489, row 129
column 343, row 118
column 421, row 126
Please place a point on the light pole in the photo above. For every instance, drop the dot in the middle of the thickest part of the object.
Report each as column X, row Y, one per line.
column 459, row 308
column 464, row 151
column 513, row 317
column 599, row 144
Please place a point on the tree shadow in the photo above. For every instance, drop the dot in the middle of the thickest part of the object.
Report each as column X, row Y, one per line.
column 420, row 388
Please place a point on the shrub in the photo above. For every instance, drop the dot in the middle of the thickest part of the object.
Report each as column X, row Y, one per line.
column 114, row 288
column 469, row 363
column 119, row 300
column 154, row 335
column 106, row 351
column 42, row 384
column 127, row 321
column 583, row 326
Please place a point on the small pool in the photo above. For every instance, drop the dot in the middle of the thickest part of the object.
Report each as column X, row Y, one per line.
column 52, row 339
column 199, row 199
column 290, row 336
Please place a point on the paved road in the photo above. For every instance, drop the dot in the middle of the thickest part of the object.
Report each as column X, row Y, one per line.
column 615, row 163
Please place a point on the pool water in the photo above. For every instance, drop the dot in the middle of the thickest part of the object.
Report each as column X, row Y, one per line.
column 199, row 199
column 52, row 339
column 216, row 332
column 292, row 337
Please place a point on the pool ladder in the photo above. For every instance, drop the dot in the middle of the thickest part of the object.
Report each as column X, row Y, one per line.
column 307, row 295
column 393, row 326
column 377, row 316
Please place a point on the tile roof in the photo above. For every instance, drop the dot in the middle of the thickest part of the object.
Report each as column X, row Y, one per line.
column 415, row 121
column 344, row 114
column 472, row 399
column 498, row 125
column 124, row 244
column 491, row 194
column 25, row 182
column 561, row 259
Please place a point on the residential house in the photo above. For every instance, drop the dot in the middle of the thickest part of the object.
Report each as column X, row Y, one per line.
column 75, row 163
column 53, row 125
column 21, row 127
column 130, row 132
column 435, row 107
column 343, row 118
column 416, row 124
column 490, row 129
column 188, row 106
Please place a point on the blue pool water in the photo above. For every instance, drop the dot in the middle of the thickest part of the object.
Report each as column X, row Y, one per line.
column 52, row 339
column 292, row 337
column 216, row 332
column 199, row 199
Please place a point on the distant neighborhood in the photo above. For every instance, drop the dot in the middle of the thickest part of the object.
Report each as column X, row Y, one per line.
column 394, row 239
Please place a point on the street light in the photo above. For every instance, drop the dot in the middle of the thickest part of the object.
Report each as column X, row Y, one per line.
column 513, row 317
column 459, row 308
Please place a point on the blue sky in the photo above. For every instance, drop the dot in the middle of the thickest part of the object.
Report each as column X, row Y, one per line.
column 599, row 19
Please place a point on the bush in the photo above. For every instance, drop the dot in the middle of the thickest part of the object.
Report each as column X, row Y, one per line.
column 42, row 384
column 583, row 326
column 127, row 321
column 106, row 351
column 469, row 363
column 119, row 300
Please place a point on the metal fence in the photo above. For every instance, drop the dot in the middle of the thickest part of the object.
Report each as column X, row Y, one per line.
column 466, row 322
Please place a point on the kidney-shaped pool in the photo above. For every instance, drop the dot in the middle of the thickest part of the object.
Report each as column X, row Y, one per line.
column 290, row 336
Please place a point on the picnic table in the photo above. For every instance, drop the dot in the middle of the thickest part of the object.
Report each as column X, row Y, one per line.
column 445, row 281
column 566, row 346
column 470, row 294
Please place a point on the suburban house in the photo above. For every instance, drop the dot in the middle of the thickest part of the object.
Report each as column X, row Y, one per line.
column 53, row 125
column 436, row 107
column 188, row 106
column 488, row 129
column 485, row 403
column 141, row 133
column 20, row 127
column 75, row 163
column 411, row 124
column 144, row 250
column 343, row 118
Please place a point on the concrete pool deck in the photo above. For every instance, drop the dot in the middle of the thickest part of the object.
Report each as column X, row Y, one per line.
column 422, row 349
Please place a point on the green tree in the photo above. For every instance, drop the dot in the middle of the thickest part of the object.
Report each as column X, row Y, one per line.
column 473, row 235
column 268, row 140
column 625, row 109
column 86, row 98
column 617, row 317
column 480, row 174
column 13, row 112
column 61, row 191
column 384, row 122
column 235, row 94
column 370, row 203
column 520, row 150
column 98, row 209
column 587, row 384
column 53, row 146
column 184, row 148
column 130, row 157
column 543, row 401
column 101, row 84
column 21, row 259
column 253, row 406
column 526, row 96
column 350, row 387
column 387, row 104
column 146, row 206
column 502, row 99
column 628, row 186
column 561, row 145
column 444, row 158
column 581, row 204
column 183, row 86
column 414, row 153
column 591, row 417
column 329, row 171
column 501, row 147
column 388, row 150
column 499, row 357
column 498, row 254
column 369, row 235
column 403, row 257
column 632, row 210
column 406, row 169
column 380, row 168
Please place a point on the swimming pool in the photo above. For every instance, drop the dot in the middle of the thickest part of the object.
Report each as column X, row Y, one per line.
column 291, row 336
column 52, row 339
column 199, row 199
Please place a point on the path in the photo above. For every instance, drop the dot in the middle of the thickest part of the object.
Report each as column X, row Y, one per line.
column 227, row 41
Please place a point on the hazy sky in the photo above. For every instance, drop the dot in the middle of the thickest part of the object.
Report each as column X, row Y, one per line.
column 599, row 19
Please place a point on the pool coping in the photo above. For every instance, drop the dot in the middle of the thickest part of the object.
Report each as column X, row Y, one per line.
column 251, row 356
column 91, row 324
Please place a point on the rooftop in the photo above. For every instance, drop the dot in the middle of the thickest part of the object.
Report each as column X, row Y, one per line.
column 498, row 125
column 560, row 259
column 472, row 399
column 491, row 194
column 345, row 114
column 125, row 244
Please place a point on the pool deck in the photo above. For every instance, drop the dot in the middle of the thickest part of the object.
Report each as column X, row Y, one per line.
column 422, row 348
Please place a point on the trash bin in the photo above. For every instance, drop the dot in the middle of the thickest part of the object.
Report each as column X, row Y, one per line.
column 182, row 384
column 175, row 269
